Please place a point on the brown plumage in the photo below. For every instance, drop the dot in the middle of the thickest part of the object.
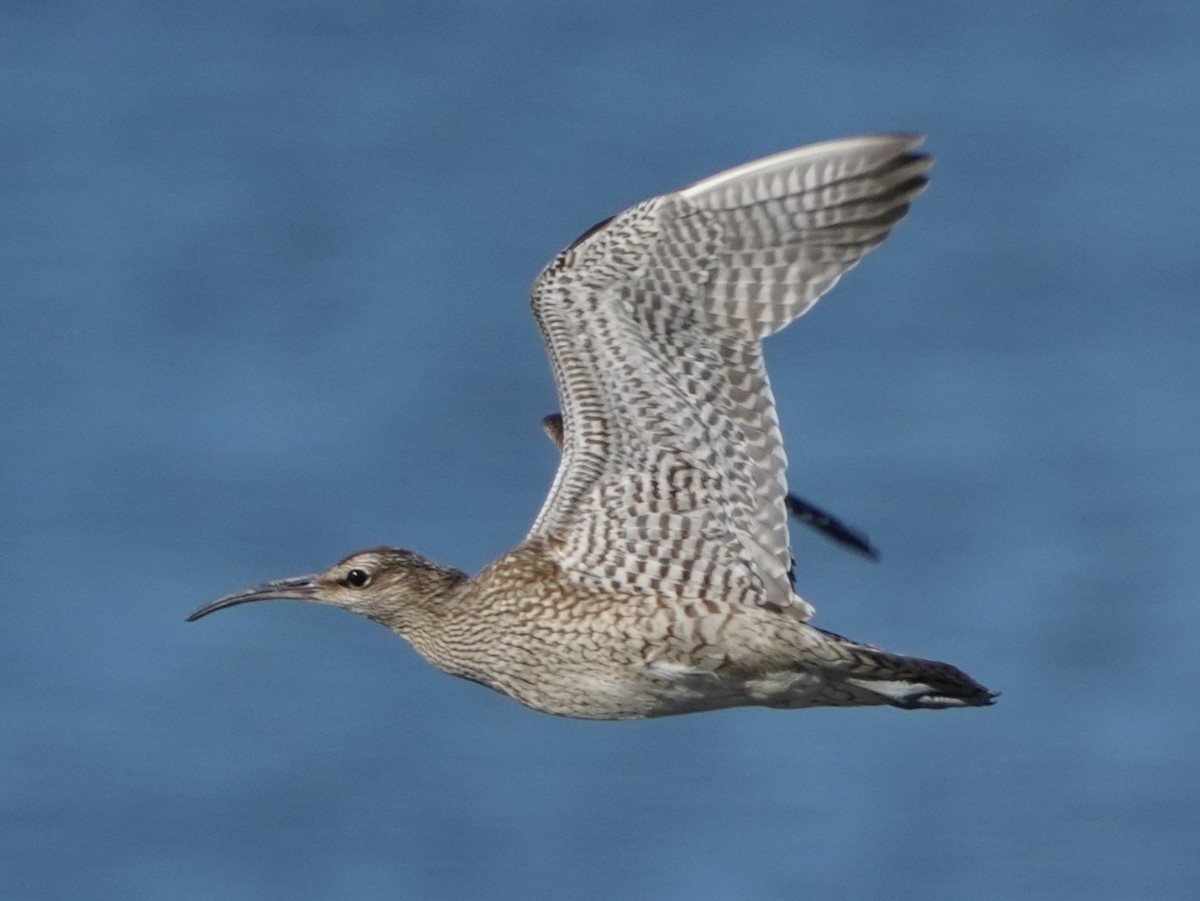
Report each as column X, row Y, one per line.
column 656, row 579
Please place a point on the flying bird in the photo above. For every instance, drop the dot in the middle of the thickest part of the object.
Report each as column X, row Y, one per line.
column 656, row 578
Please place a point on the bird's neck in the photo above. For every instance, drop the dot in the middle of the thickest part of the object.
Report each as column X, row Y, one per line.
column 418, row 604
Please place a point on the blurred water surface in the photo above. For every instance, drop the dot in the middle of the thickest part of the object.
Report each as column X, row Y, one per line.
column 264, row 273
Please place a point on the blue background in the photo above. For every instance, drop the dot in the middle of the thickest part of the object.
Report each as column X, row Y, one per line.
column 264, row 275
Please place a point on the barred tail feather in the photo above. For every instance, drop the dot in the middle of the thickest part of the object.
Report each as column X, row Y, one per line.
column 910, row 683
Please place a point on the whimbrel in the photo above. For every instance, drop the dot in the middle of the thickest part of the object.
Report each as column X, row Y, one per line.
column 655, row 579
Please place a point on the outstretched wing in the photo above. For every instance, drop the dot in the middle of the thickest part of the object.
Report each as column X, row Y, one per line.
column 672, row 477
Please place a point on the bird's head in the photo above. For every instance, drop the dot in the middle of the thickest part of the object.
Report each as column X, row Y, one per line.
column 387, row 584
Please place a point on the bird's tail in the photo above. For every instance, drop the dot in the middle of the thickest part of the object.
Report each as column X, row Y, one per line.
column 908, row 682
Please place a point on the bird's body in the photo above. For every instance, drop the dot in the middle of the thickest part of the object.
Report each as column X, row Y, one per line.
column 656, row 579
column 523, row 627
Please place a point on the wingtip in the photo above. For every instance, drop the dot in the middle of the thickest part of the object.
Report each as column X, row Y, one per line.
column 858, row 154
column 910, row 139
column 833, row 528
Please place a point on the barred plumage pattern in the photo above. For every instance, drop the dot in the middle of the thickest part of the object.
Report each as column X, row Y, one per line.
column 672, row 479
column 655, row 580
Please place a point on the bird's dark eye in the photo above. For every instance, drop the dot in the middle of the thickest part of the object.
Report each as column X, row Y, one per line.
column 357, row 578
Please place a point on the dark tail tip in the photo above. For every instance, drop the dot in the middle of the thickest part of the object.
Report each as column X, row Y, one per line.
column 938, row 692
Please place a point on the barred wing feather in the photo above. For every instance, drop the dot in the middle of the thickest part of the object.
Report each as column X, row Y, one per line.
column 672, row 477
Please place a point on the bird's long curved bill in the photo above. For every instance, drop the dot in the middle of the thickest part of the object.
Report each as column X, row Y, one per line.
column 302, row 588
